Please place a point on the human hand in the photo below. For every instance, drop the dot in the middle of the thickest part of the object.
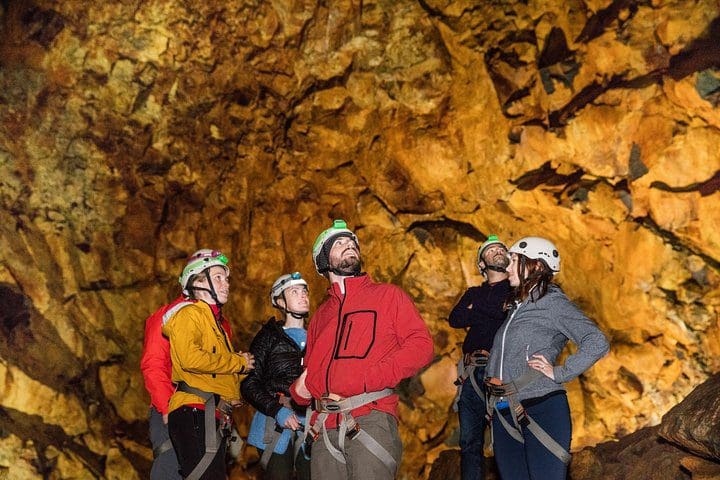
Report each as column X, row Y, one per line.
column 300, row 387
column 165, row 418
column 286, row 418
column 249, row 359
column 540, row 363
column 292, row 422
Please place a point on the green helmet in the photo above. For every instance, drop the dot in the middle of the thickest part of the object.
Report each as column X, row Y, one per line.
column 199, row 262
column 491, row 240
column 324, row 241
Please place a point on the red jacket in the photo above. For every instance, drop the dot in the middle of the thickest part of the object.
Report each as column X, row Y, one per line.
column 155, row 361
column 364, row 341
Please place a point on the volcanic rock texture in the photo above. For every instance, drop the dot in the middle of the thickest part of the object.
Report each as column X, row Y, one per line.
column 134, row 132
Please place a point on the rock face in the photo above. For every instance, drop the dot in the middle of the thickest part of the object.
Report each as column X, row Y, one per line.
column 692, row 426
column 132, row 133
column 695, row 423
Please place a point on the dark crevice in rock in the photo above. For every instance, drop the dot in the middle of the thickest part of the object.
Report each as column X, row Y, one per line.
column 44, row 356
column 675, row 242
column 555, row 50
column 597, row 24
column 31, row 427
column 42, row 26
column 432, row 11
column 708, row 187
column 631, row 380
column 546, row 175
column 461, row 228
column 701, row 54
column 397, row 279
column 589, row 93
column 671, row 297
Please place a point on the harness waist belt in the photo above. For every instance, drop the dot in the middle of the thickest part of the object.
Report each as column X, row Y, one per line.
column 348, row 426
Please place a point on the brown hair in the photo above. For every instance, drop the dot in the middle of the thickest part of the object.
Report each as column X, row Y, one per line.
column 535, row 277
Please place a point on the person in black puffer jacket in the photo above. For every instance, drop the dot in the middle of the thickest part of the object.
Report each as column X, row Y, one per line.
column 279, row 347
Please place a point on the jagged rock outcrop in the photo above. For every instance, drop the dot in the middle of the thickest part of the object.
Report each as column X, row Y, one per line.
column 684, row 445
column 132, row 133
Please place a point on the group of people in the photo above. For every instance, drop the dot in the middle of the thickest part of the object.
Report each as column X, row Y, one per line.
column 519, row 322
column 324, row 390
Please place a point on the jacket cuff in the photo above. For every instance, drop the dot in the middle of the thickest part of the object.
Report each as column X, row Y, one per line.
column 243, row 364
column 274, row 409
column 300, row 400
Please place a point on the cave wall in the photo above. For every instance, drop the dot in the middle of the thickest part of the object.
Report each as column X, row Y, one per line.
column 132, row 133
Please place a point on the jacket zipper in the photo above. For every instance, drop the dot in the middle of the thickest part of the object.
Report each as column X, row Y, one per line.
column 502, row 346
column 337, row 344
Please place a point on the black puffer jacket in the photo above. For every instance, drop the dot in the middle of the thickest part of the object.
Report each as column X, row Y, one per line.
column 278, row 362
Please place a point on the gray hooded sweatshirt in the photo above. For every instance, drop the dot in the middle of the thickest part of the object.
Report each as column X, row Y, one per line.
column 544, row 327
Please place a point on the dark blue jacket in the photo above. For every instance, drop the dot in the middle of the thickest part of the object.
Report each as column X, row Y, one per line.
column 485, row 316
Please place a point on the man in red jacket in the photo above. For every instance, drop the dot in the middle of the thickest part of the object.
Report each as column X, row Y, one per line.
column 362, row 341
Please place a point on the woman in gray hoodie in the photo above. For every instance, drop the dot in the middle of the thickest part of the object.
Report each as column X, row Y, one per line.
column 533, row 441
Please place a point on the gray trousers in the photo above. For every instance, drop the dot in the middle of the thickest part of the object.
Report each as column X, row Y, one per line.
column 164, row 467
column 361, row 464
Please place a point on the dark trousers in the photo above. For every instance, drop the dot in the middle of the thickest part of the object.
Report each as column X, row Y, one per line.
column 187, row 432
column 281, row 465
column 165, row 466
column 531, row 460
column 471, row 412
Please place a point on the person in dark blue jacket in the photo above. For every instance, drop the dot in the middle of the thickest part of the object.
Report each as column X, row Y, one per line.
column 481, row 310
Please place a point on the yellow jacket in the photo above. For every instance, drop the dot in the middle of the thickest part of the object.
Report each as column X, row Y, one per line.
column 202, row 355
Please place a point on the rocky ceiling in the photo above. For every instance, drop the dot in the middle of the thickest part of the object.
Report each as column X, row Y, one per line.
column 133, row 132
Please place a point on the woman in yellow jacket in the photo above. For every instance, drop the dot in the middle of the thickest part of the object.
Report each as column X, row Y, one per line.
column 205, row 368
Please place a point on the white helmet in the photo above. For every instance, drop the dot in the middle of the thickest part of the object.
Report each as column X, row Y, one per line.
column 199, row 262
column 324, row 241
column 538, row 248
column 283, row 283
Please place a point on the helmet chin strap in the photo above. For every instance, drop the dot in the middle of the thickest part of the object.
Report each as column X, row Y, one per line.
column 299, row 316
column 212, row 293
column 496, row 269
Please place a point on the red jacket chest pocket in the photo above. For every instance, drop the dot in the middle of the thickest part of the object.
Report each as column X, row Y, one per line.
column 357, row 335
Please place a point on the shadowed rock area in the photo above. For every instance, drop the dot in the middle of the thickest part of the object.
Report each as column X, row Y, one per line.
column 133, row 133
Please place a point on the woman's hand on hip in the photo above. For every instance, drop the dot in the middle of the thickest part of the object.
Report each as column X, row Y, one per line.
column 540, row 363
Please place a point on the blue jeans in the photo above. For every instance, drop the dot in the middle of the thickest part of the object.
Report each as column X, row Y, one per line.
column 165, row 466
column 531, row 460
column 471, row 411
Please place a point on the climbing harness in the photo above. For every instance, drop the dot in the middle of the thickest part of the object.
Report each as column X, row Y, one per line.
column 213, row 436
column 466, row 370
column 348, row 426
column 498, row 393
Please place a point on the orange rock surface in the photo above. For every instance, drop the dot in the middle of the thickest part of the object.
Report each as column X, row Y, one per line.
column 132, row 133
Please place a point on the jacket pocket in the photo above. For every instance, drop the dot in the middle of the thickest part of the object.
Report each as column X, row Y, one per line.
column 358, row 334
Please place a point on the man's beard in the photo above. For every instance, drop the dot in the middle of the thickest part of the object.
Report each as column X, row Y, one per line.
column 500, row 261
column 350, row 266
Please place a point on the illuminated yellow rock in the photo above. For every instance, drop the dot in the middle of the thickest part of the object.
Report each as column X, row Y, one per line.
column 130, row 135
